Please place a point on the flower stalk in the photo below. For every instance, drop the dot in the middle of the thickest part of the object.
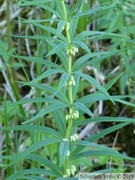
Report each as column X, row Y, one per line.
column 71, row 50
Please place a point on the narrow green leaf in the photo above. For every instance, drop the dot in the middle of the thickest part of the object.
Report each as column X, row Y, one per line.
column 59, row 9
column 51, row 30
column 105, row 119
column 46, row 162
column 38, row 20
column 105, row 56
column 81, row 60
column 31, row 149
column 76, row 87
column 125, row 102
column 105, row 36
column 60, row 121
column 33, row 178
column 57, row 48
column 74, row 22
column 105, row 171
column 75, row 7
column 62, row 55
column 49, row 89
column 91, row 11
column 42, row 129
column 83, row 46
column 47, row 73
column 88, row 100
column 32, row 100
column 83, row 108
column 88, row 35
column 19, row 174
column 86, row 143
column 102, row 153
column 38, row 60
column 98, row 136
column 36, row 37
column 33, row 3
column 51, row 108
column 63, row 150
column 96, row 84
column 112, row 81
column 107, row 131
column 60, row 26
column 70, row 178
column 79, row 65
column 64, row 78
column 50, row 10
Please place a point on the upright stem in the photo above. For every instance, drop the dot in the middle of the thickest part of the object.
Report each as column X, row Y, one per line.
column 70, row 97
column 64, row 10
column 70, row 72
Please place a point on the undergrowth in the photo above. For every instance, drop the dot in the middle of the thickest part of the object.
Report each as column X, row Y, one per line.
column 65, row 88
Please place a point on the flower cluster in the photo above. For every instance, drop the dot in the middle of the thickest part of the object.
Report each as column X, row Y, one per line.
column 66, row 26
column 70, row 172
column 65, row 139
column 71, row 82
column 74, row 137
column 71, row 50
column 72, row 114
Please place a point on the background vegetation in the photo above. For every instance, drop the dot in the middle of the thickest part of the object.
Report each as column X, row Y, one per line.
column 113, row 56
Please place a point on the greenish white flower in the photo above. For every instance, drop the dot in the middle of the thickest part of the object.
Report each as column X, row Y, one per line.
column 71, row 82
column 68, row 172
column 72, row 172
column 71, row 50
column 76, row 114
column 65, row 176
column 67, row 26
column 68, row 153
column 65, row 139
column 73, row 167
column 68, row 116
column 72, row 114
column 74, row 137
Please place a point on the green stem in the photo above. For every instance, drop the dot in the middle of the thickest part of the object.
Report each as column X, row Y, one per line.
column 64, row 10
column 68, row 37
column 69, row 128
column 70, row 97
column 69, row 64
column 70, row 71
